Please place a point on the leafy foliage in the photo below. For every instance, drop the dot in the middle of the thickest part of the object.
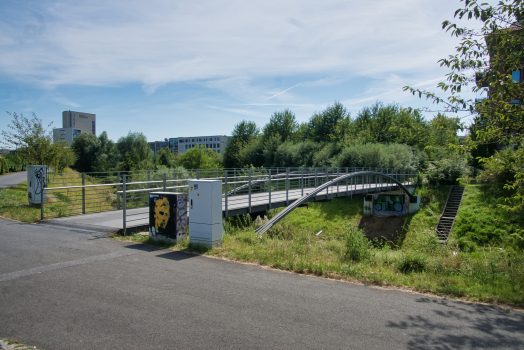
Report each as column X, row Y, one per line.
column 199, row 158
column 134, row 152
column 448, row 171
column 35, row 144
column 358, row 247
column 489, row 58
column 283, row 124
column 375, row 155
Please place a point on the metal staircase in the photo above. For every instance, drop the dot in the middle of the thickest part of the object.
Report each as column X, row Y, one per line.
column 447, row 219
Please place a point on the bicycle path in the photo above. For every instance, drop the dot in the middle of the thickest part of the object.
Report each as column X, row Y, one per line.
column 71, row 289
column 10, row 180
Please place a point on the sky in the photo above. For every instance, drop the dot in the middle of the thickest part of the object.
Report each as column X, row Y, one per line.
column 197, row 68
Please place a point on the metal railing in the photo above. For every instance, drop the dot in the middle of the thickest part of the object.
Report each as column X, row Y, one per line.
column 82, row 193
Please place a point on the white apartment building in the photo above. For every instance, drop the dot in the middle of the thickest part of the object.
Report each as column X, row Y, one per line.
column 73, row 124
column 217, row 143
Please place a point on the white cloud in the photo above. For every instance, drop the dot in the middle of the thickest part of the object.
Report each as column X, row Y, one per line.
column 64, row 101
column 103, row 43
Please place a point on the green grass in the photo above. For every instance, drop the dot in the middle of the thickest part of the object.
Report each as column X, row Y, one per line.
column 15, row 344
column 15, row 206
column 489, row 270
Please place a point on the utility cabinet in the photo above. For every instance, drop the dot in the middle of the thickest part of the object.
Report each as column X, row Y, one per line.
column 36, row 183
column 168, row 216
column 205, row 212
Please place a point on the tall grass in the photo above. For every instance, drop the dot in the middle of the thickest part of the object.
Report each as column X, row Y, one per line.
column 489, row 270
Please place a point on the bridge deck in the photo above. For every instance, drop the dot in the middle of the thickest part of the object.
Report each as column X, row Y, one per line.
column 112, row 221
column 239, row 204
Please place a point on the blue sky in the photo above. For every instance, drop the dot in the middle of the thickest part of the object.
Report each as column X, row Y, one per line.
column 189, row 68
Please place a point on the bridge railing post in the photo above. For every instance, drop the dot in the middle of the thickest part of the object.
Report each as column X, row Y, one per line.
column 287, row 186
column 249, row 197
column 226, row 190
column 276, row 178
column 327, row 180
column 124, row 204
column 117, row 188
column 338, row 174
column 83, row 193
column 235, row 181
column 269, row 182
column 302, row 171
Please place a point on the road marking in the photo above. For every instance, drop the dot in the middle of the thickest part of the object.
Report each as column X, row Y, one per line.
column 23, row 273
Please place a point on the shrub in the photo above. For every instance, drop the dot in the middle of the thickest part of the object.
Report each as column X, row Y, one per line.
column 375, row 155
column 502, row 166
column 412, row 262
column 447, row 171
column 358, row 247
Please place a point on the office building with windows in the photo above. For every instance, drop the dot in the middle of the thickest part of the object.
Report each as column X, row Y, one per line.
column 158, row 145
column 217, row 143
column 73, row 124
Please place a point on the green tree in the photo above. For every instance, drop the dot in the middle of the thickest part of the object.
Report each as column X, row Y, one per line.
column 281, row 123
column 165, row 157
column 87, row 150
column 242, row 134
column 35, row 144
column 199, row 158
column 108, row 158
column 134, row 152
column 94, row 153
column 390, row 124
column 326, row 125
column 491, row 58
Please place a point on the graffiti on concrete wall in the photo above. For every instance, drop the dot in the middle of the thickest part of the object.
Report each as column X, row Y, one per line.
column 390, row 204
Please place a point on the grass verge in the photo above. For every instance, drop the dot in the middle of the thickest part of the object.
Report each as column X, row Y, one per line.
column 15, row 206
column 9, row 344
column 402, row 251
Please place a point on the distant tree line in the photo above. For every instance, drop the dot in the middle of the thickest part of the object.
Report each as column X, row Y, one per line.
column 381, row 136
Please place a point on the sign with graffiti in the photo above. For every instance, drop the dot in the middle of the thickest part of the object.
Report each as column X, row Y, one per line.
column 390, row 204
column 168, row 216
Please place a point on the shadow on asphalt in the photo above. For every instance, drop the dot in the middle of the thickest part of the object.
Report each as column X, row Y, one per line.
column 177, row 255
column 143, row 247
column 498, row 327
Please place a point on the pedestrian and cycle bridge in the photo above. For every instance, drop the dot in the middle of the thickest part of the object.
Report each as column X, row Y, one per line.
column 119, row 200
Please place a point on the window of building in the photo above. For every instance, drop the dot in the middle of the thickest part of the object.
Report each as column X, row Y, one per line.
column 193, row 140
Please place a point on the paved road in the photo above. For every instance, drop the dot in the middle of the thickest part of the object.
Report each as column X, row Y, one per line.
column 12, row 179
column 67, row 289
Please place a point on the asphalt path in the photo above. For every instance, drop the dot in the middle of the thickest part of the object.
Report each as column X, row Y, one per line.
column 12, row 179
column 62, row 288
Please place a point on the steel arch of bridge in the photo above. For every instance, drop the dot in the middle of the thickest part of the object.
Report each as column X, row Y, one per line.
column 321, row 188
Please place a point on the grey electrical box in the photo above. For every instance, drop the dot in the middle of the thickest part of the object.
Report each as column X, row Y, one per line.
column 36, row 183
column 205, row 212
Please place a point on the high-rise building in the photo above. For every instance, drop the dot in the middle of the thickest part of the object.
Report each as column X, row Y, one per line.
column 73, row 124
